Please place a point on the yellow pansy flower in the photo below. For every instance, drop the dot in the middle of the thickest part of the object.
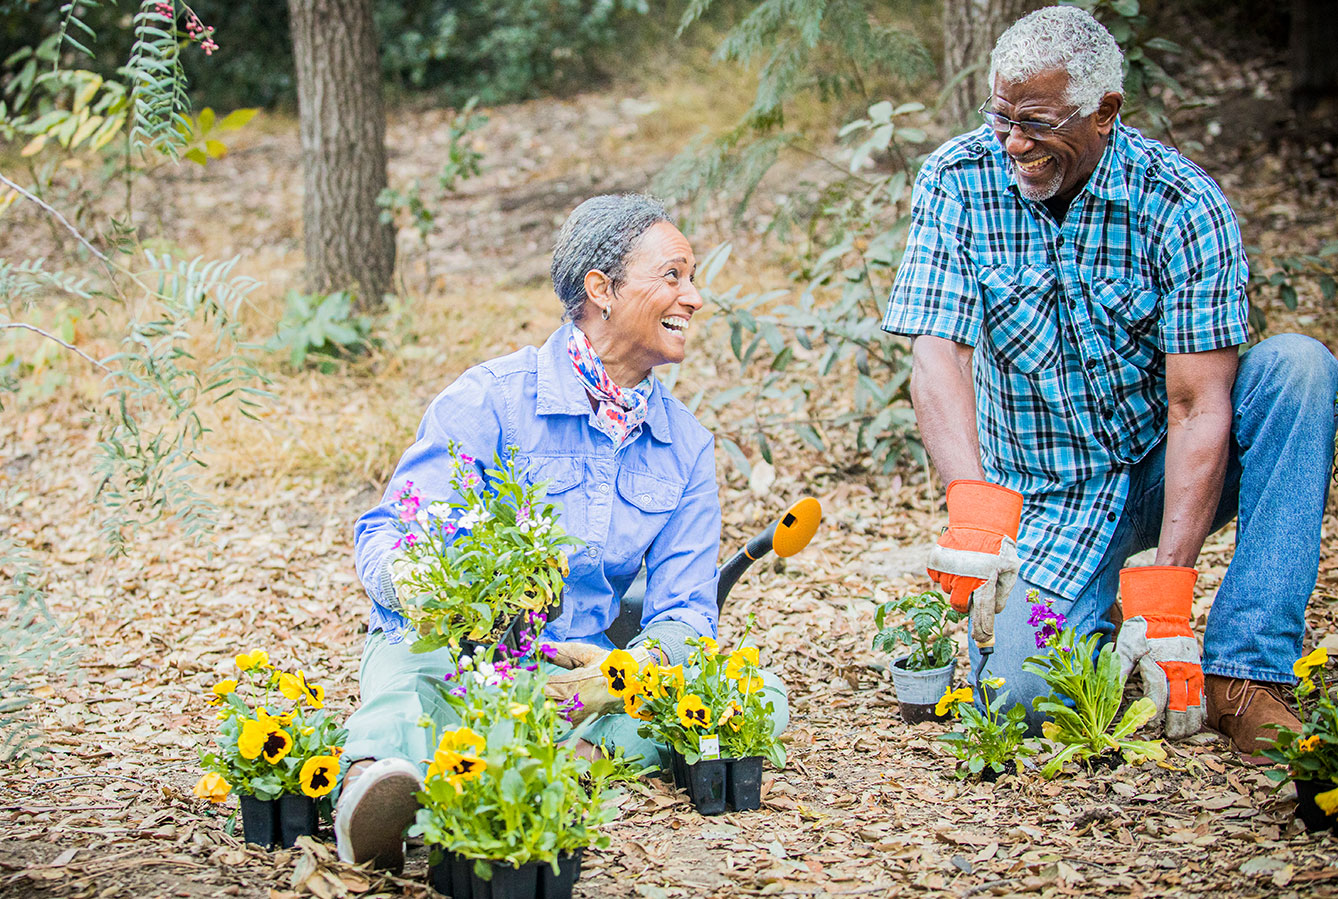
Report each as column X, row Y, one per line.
column 295, row 687
column 212, row 787
column 255, row 659
column 652, row 683
column 739, row 659
column 674, row 678
column 463, row 738
column 1308, row 744
column 221, row 689
column 635, row 706
column 518, row 710
column 953, row 698
column 750, row 684
column 692, row 713
column 619, row 669
column 455, row 767
column 732, row 717
column 1316, row 659
column 318, row 775
column 994, row 683
column 263, row 738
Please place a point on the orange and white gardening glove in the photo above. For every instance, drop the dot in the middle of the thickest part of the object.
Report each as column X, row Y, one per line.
column 975, row 560
column 596, row 677
column 1156, row 636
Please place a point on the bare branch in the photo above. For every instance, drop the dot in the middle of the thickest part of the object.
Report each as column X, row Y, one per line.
column 49, row 336
column 111, row 268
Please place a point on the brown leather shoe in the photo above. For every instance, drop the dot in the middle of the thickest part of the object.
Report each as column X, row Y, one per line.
column 1239, row 709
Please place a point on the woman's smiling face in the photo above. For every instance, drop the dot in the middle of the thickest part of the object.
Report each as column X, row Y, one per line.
column 1057, row 164
column 650, row 311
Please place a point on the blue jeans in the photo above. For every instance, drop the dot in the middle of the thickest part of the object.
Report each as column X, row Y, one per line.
column 1276, row 486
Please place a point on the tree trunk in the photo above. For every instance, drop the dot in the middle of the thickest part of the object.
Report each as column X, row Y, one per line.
column 343, row 125
column 970, row 28
column 1314, row 62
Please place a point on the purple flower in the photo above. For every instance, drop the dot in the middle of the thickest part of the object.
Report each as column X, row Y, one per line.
column 1047, row 621
column 458, row 691
column 466, row 458
column 547, row 649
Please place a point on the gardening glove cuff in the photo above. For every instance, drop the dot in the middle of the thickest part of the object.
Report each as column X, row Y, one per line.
column 1156, row 636
column 975, row 560
column 589, row 684
column 672, row 640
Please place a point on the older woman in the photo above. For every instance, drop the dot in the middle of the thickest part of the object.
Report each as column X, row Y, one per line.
column 633, row 469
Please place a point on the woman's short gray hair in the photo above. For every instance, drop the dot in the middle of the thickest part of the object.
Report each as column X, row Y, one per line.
column 599, row 236
column 1062, row 37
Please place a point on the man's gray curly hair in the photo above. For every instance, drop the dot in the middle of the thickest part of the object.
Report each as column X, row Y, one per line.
column 599, row 235
column 1062, row 37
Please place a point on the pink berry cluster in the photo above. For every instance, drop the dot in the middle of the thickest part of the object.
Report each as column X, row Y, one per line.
column 198, row 31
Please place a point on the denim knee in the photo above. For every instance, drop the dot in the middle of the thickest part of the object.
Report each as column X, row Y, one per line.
column 1294, row 367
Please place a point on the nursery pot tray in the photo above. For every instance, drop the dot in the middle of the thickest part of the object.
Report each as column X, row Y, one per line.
column 743, row 783
column 297, row 818
column 260, row 821
column 1310, row 814
column 706, row 786
column 454, row 876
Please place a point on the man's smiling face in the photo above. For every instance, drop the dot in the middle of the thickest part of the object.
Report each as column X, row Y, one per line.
column 1057, row 163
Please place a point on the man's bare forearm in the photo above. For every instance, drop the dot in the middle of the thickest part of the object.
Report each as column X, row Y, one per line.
column 1198, row 439
column 945, row 407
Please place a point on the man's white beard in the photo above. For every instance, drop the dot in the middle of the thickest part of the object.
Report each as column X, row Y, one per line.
column 1039, row 193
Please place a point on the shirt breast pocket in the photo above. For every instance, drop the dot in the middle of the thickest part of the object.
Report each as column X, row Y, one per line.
column 1131, row 313
column 561, row 476
column 651, row 493
column 1020, row 315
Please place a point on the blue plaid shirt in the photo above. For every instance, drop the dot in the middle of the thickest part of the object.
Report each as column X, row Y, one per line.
column 1071, row 322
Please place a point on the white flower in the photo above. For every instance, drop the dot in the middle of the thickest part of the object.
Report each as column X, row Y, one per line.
column 440, row 510
column 423, row 519
column 473, row 519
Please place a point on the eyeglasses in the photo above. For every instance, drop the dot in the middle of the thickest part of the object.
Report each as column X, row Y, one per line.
column 1032, row 130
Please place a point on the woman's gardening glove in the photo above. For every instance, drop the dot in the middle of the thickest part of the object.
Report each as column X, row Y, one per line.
column 975, row 560
column 596, row 677
column 1156, row 635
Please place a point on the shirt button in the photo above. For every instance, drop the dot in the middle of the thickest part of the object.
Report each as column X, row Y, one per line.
column 592, row 553
column 1091, row 365
column 1110, row 516
column 603, row 488
column 1059, row 241
column 1107, row 413
column 645, row 497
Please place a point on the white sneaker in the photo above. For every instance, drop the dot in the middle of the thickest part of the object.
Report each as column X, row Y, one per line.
column 374, row 811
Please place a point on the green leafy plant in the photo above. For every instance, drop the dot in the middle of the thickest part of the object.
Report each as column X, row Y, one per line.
column 324, row 328
column 719, row 696
column 1086, row 691
column 262, row 751
column 505, row 786
column 465, row 569
column 986, row 739
column 1312, row 752
column 920, row 622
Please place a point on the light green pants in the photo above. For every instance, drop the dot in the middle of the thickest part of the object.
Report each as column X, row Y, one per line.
column 398, row 687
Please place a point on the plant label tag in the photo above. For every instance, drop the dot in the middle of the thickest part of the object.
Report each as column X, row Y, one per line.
column 710, row 747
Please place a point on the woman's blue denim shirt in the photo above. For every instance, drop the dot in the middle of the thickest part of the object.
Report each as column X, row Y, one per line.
column 653, row 500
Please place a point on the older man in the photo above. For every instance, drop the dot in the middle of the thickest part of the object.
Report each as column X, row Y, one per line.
column 1075, row 292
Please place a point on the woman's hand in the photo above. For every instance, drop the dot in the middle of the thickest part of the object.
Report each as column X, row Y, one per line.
column 586, row 680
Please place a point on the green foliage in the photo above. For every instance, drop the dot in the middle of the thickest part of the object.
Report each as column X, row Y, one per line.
column 35, row 652
column 1086, row 690
column 1285, row 275
column 988, row 739
column 508, row 787
column 1312, row 752
column 323, row 327
column 918, row 621
column 471, row 565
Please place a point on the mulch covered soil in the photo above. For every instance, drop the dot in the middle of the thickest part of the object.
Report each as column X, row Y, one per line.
column 867, row 805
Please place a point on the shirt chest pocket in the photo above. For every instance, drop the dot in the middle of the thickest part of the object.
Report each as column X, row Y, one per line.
column 1131, row 311
column 561, row 475
column 1021, row 315
column 651, row 493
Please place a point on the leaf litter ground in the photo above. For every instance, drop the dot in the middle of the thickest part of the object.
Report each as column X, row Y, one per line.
column 867, row 806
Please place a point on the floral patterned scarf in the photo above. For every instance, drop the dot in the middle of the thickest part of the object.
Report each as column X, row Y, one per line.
column 621, row 410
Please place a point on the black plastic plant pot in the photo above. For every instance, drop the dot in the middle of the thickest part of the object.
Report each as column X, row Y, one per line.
column 451, row 876
column 260, row 821
column 678, row 766
column 297, row 818
column 706, row 786
column 560, row 885
column 989, row 775
column 916, row 713
column 743, row 783
column 506, row 883
column 1311, row 815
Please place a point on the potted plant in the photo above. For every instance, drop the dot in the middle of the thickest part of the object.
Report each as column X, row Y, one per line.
column 714, row 720
column 919, row 621
column 988, row 743
column 467, row 571
column 1309, row 757
column 278, row 749
column 1085, row 697
column 507, row 808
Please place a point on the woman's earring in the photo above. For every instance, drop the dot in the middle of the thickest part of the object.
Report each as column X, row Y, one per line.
column 604, row 314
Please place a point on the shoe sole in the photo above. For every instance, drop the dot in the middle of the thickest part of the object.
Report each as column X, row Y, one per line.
column 373, row 829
